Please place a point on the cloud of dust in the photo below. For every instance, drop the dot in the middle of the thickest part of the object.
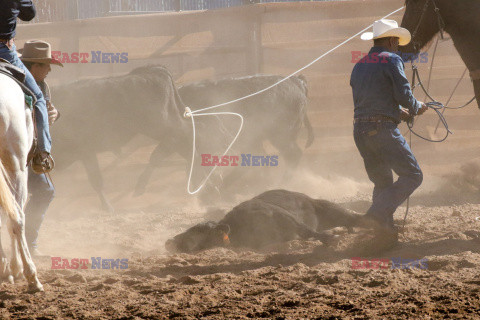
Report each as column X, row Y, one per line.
column 333, row 187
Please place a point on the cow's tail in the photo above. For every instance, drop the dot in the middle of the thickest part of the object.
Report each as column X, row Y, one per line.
column 306, row 122
column 7, row 199
column 308, row 125
column 178, row 99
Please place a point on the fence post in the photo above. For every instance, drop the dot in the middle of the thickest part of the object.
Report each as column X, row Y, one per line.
column 105, row 7
column 177, row 5
column 254, row 53
column 72, row 8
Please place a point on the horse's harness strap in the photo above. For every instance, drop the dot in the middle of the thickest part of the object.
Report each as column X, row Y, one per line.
column 441, row 23
column 475, row 74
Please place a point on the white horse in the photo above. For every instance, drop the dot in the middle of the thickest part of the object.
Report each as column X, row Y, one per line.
column 16, row 136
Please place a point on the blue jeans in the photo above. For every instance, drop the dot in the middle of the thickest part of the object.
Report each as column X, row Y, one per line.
column 41, row 195
column 383, row 149
column 41, row 113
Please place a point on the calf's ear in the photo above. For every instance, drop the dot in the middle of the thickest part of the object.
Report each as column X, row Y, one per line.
column 225, row 228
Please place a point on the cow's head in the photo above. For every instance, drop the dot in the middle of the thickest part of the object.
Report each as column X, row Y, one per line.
column 200, row 237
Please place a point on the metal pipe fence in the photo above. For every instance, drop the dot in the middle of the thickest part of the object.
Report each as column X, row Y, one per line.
column 61, row 10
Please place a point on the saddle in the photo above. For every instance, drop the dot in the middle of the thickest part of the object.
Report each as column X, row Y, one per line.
column 18, row 75
column 11, row 70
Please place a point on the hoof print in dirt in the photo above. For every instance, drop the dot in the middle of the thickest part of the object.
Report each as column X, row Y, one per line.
column 187, row 280
column 99, row 287
column 77, row 278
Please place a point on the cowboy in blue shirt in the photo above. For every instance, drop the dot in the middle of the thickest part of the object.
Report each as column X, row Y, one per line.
column 382, row 98
column 10, row 10
column 36, row 56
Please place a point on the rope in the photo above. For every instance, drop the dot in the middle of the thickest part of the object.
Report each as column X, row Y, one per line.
column 431, row 66
column 194, row 143
column 294, row 73
column 408, row 199
column 193, row 113
column 435, row 105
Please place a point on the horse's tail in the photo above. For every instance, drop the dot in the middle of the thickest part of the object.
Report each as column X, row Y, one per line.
column 7, row 199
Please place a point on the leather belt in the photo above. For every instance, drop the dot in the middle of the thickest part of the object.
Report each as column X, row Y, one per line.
column 7, row 42
column 377, row 118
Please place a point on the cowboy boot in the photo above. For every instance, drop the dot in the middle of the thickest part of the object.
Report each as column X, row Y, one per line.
column 42, row 162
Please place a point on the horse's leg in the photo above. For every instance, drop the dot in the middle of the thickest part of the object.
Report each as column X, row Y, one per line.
column 160, row 152
column 5, row 271
column 92, row 168
column 17, row 233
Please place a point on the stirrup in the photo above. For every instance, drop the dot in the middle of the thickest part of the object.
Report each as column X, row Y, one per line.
column 42, row 163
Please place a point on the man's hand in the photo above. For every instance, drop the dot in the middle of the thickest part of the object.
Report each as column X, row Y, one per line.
column 422, row 109
column 53, row 113
column 405, row 114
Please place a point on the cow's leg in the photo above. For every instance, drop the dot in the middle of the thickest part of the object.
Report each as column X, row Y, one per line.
column 239, row 179
column 17, row 234
column 94, row 174
column 159, row 154
column 290, row 151
column 476, row 87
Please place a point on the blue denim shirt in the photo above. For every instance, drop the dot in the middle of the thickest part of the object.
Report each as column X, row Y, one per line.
column 380, row 86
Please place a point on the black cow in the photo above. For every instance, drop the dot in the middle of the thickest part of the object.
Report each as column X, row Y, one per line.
column 105, row 114
column 272, row 217
column 276, row 115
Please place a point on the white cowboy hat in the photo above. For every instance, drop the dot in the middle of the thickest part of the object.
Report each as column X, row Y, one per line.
column 388, row 28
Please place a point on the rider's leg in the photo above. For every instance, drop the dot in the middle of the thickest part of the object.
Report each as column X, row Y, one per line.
column 42, row 158
column 41, row 112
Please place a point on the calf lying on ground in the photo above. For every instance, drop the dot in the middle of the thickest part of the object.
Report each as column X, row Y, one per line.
column 272, row 217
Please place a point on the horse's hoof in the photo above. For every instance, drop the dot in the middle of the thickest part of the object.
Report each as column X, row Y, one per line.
column 108, row 208
column 138, row 192
column 35, row 287
column 10, row 279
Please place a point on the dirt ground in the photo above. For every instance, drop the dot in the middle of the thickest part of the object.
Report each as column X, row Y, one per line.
column 295, row 280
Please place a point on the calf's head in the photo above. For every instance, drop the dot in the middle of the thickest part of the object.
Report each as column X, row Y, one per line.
column 200, row 237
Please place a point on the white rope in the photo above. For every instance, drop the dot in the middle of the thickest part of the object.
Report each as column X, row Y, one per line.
column 194, row 143
column 299, row 70
column 195, row 113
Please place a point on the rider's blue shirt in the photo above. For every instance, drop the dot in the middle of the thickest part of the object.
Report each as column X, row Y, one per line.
column 9, row 11
column 380, row 86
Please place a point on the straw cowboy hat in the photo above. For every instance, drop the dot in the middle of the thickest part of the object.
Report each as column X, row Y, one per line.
column 38, row 51
column 388, row 28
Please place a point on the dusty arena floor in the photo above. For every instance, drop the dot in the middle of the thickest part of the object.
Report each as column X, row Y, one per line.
column 353, row 279
column 296, row 280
